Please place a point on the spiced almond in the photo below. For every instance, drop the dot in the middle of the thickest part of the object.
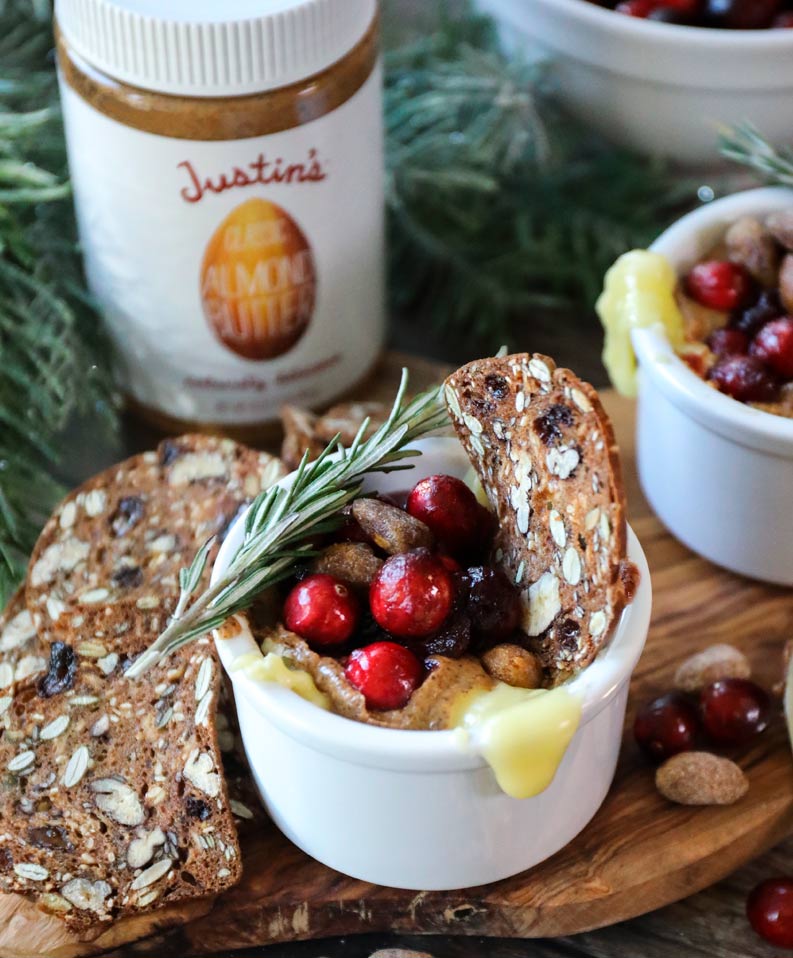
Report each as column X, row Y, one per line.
column 700, row 778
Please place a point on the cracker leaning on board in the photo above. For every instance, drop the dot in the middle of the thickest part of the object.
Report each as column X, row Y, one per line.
column 115, row 800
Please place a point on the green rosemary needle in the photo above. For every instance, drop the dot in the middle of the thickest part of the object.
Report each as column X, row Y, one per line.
column 746, row 145
column 280, row 520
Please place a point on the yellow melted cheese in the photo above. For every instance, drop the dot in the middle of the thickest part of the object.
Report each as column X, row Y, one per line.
column 273, row 668
column 638, row 292
column 522, row 734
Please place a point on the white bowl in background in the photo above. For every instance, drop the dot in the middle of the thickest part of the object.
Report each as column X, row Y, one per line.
column 718, row 473
column 411, row 809
column 658, row 87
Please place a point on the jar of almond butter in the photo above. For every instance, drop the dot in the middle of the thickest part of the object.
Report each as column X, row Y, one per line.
column 227, row 167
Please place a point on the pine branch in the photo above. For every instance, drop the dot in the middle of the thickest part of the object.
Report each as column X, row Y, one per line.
column 498, row 201
column 53, row 357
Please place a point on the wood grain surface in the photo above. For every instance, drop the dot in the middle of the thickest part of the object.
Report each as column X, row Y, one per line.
column 639, row 853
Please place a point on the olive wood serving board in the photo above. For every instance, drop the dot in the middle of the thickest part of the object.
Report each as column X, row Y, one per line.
column 638, row 853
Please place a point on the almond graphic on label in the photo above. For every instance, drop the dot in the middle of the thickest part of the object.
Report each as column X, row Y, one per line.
column 258, row 281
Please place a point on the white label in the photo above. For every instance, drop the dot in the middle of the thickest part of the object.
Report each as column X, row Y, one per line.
column 235, row 275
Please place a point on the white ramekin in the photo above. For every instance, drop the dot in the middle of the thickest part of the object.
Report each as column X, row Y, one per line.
column 412, row 809
column 718, row 473
column 658, row 87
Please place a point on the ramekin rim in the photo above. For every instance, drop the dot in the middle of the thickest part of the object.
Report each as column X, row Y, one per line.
column 654, row 31
column 681, row 384
column 598, row 683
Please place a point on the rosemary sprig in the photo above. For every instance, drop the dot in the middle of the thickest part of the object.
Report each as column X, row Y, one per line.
column 746, row 145
column 280, row 521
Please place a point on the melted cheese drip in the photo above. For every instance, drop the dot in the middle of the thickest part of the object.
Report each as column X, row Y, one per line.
column 638, row 292
column 522, row 734
column 272, row 668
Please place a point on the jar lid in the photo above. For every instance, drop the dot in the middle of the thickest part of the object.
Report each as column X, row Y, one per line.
column 209, row 48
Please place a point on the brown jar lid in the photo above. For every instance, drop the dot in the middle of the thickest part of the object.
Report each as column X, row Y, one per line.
column 209, row 49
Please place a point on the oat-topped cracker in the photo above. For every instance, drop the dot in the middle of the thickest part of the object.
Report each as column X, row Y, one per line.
column 113, row 800
column 106, row 566
column 545, row 452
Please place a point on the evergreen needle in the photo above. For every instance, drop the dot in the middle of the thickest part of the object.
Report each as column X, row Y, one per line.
column 280, row 521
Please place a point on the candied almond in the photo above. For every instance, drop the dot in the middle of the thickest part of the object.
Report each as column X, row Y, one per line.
column 353, row 562
column 700, row 778
column 391, row 528
column 750, row 244
column 513, row 665
column 786, row 282
column 780, row 224
column 719, row 661
column 345, row 419
column 298, row 425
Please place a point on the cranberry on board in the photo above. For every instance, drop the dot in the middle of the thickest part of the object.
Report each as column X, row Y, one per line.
column 385, row 673
column 769, row 909
column 719, row 284
column 450, row 509
column 733, row 711
column 412, row 594
column 745, row 378
column 728, row 342
column 774, row 346
column 666, row 726
column 321, row 610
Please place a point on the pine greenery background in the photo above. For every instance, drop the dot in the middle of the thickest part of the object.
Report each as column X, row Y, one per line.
column 499, row 205
column 52, row 357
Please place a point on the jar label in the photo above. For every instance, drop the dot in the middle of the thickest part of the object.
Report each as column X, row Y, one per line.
column 235, row 275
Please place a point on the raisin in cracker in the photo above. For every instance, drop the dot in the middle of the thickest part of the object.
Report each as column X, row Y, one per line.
column 545, row 452
column 114, row 801
column 106, row 567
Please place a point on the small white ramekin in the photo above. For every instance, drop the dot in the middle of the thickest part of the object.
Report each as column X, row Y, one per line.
column 718, row 473
column 658, row 87
column 412, row 809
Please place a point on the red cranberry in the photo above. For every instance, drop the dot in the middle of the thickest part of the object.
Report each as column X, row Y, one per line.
column 741, row 14
column 783, row 21
column 769, row 909
column 385, row 673
column 744, row 378
column 666, row 726
column 671, row 15
column 774, row 346
column 491, row 602
column 728, row 342
column 719, row 284
column 412, row 594
column 733, row 711
column 450, row 509
column 637, row 8
column 321, row 610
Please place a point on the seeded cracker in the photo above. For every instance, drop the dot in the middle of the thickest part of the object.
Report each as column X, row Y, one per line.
column 106, row 567
column 113, row 800
column 545, row 452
